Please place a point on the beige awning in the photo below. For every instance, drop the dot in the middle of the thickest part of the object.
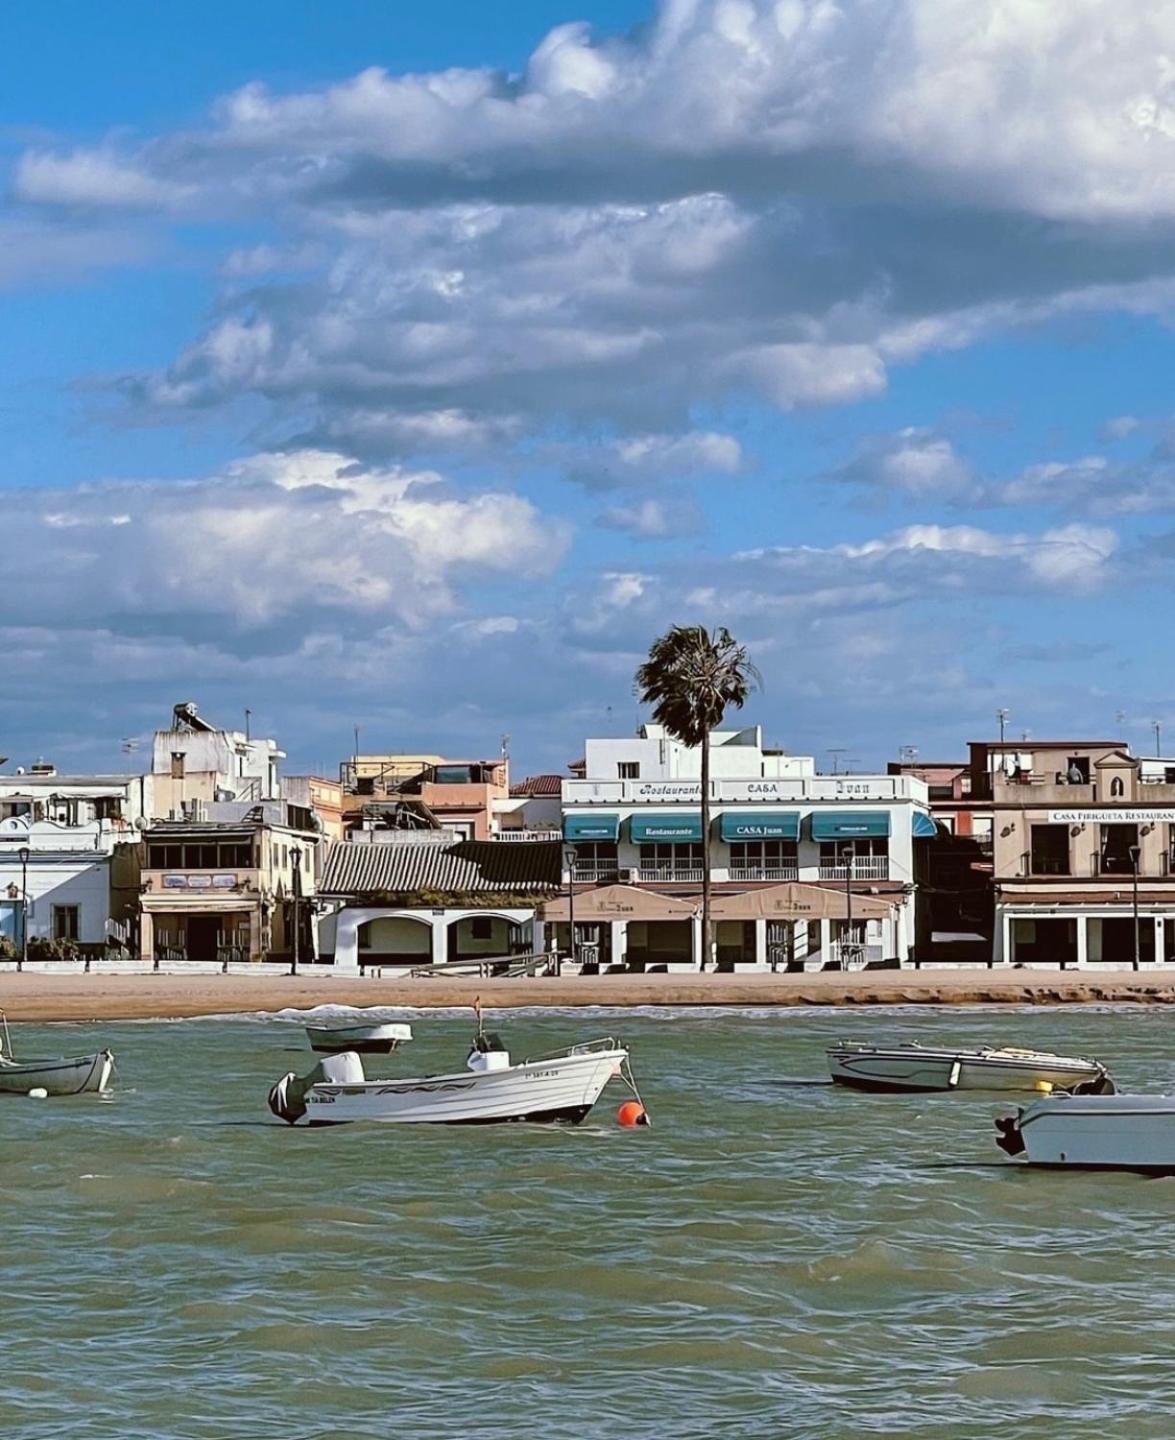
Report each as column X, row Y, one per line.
column 208, row 903
column 619, row 902
column 795, row 901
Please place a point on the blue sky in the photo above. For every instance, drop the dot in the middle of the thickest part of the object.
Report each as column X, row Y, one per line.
column 412, row 368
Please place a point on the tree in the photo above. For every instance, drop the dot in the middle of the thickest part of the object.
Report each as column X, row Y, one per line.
column 691, row 678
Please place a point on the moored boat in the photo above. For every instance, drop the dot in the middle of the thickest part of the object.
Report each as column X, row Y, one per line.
column 563, row 1086
column 76, row 1075
column 1102, row 1132
column 917, row 1067
column 373, row 1038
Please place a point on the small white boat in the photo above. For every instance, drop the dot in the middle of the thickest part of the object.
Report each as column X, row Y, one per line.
column 1103, row 1132
column 918, row 1067
column 79, row 1075
column 373, row 1038
column 560, row 1086
column 82, row 1075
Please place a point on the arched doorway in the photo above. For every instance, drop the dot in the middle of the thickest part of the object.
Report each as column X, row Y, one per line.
column 395, row 940
column 476, row 937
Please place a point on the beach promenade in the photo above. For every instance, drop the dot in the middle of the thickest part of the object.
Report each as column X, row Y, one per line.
column 46, row 997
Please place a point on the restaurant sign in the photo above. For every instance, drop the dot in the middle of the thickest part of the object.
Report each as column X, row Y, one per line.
column 1107, row 816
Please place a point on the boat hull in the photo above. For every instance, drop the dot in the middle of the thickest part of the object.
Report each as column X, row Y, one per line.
column 81, row 1075
column 1094, row 1132
column 916, row 1069
column 537, row 1091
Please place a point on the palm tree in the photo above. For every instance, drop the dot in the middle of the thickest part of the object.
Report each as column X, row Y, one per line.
column 690, row 679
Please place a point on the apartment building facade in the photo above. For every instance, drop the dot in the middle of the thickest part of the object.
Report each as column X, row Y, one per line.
column 808, row 870
column 1084, row 853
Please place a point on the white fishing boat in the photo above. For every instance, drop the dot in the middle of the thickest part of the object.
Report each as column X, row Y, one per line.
column 80, row 1075
column 930, row 1067
column 563, row 1086
column 1102, row 1132
column 373, row 1038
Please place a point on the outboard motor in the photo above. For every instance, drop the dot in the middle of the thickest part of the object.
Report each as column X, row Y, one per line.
column 287, row 1099
column 1008, row 1136
column 487, row 1053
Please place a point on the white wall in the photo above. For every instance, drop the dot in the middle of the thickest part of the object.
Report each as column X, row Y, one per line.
column 396, row 935
column 82, row 880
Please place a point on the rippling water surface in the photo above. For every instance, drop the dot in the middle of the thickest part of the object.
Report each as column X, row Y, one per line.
column 769, row 1259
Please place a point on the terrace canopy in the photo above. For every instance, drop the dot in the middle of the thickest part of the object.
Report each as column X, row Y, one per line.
column 796, row 901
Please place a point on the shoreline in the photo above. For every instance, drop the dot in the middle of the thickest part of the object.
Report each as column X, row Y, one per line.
column 46, row 997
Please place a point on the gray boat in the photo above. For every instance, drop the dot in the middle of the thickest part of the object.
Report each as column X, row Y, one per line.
column 79, row 1075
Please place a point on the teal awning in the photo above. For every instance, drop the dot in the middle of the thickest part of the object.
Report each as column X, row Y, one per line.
column 849, row 824
column 591, row 827
column 763, row 825
column 667, row 827
column 924, row 827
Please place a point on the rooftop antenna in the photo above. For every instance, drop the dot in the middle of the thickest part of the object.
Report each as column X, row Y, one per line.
column 1002, row 716
column 1157, row 727
column 1024, row 735
column 248, row 716
column 836, row 751
column 505, row 747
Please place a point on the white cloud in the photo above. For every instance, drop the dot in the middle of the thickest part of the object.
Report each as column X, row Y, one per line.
column 776, row 198
column 914, row 462
column 653, row 519
column 94, row 178
column 274, row 540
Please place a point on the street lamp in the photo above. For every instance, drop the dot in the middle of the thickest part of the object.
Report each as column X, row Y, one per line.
column 846, row 855
column 23, row 856
column 296, row 889
column 569, row 859
column 1134, row 854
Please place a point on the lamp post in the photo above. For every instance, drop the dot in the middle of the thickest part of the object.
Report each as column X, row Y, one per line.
column 569, row 856
column 296, row 889
column 1134, row 853
column 846, row 855
column 23, row 857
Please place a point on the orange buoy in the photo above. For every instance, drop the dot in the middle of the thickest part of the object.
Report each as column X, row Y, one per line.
column 632, row 1112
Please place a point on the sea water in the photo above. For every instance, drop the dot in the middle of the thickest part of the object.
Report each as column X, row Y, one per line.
column 769, row 1258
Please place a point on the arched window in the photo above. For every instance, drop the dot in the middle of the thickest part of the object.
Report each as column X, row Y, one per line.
column 1116, row 786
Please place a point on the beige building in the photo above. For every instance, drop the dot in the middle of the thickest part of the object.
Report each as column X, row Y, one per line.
column 228, row 889
column 1083, row 852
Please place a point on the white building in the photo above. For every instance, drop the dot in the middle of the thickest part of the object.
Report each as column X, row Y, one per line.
column 822, row 843
column 64, row 872
column 197, row 761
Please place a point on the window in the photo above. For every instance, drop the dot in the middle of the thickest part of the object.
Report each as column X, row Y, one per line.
column 177, row 764
column 595, row 857
column 666, row 861
column 1077, row 769
column 199, row 857
column 1049, row 854
column 629, row 769
column 1117, row 841
column 941, row 792
column 107, row 807
column 65, row 922
column 237, row 856
column 764, row 855
column 868, row 855
column 164, row 857
column 481, row 927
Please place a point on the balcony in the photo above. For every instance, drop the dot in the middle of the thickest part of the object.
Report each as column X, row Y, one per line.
column 862, row 868
column 670, row 872
column 593, row 872
column 525, row 835
column 764, row 872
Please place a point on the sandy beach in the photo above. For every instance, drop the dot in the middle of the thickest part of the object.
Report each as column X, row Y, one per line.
column 143, row 997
